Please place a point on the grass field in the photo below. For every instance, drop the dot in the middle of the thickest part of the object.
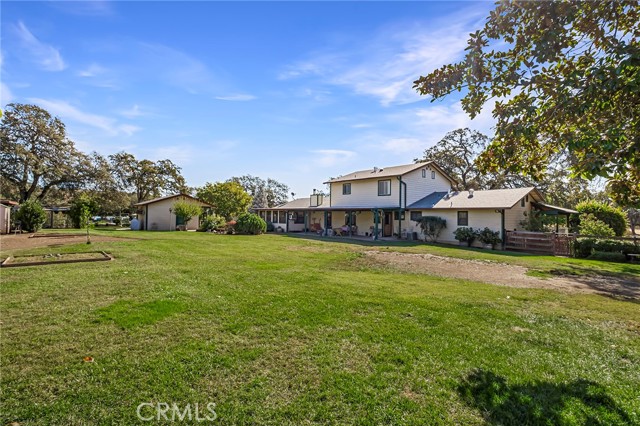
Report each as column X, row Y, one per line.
column 278, row 330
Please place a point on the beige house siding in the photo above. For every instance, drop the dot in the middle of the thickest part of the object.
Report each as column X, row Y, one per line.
column 514, row 215
column 418, row 187
column 5, row 219
column 479, row 218
column 365, row 192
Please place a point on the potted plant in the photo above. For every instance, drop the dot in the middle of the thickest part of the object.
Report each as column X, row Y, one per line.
column 465, row 235
column 489, row 238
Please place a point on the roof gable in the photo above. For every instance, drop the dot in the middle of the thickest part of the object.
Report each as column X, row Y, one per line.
column 155, row 200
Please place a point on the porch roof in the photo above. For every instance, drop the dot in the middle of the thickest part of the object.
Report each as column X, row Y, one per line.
column 549, row 209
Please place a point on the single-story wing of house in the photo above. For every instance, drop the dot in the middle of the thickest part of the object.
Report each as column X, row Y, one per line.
column 158, row 214
column 385, row 202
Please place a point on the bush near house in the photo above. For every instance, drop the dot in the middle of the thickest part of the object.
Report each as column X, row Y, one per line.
column 249, row 223
column 585, row 247
column 612, row 216
column 212, row 222
column 489, row 236
column 466, row 235
column 431, row 227
column 186, row 210
column 31, row 216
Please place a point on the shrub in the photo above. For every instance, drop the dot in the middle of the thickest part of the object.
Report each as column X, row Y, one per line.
column 249, row 223
column 31, row 216
column 79, row 207
column 488, row 236
column 608, row 256
column 591, row 225
column 612, row 216
column 431, row 227
column 212, row 222
column 467, row 235
column 536, row 221
column 270, row 227
column 584, row 247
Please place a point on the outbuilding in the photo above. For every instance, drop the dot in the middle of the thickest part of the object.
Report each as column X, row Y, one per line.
column 158, row 214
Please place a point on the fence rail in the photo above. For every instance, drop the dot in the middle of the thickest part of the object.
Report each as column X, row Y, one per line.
column 550, row 242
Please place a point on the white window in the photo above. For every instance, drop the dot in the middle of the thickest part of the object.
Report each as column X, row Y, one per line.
column 384, row 187
column 433, row 175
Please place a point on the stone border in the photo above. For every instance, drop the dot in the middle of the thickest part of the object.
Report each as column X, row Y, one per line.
column 7, row 262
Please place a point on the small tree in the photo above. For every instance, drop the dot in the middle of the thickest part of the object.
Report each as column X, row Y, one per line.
column 186, row 210
column 78, row 207
column 249, row 223
column 431, row 227
column 592, row 226
column 31, row 216
column 84, row 220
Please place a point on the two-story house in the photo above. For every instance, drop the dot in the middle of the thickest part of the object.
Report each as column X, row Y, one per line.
column 383, row 202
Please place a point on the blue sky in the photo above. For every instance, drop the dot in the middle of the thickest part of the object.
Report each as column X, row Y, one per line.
column 296, row 91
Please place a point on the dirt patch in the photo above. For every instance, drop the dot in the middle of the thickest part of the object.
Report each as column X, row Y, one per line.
column 502, row 274
column 24, row 241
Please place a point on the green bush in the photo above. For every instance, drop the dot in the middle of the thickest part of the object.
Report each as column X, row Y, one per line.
column 591, row 225
column 465, row 234
column 249, row 223
column 270, row 227
column 79, row 207
column 607, row 256
column 612, row 216
column 431, row 227
column 585, row 247
column 212, row 222
column 186, row 210
column 31, row 216
column 489, row 236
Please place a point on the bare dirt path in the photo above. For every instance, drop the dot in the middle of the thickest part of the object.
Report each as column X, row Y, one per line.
column 503, row 274
column 26, row 241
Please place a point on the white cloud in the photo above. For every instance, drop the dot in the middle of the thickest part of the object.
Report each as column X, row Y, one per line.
column 47, row 56
column 331, row 157
column 92, row 70
column 385, row 66
column 67, row 111
column 238, row 97
column 133, row 112
column 6, row 96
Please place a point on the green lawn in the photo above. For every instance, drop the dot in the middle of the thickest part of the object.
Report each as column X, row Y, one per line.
column 287, row 331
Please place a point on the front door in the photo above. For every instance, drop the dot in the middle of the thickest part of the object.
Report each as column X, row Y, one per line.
column 387, row 229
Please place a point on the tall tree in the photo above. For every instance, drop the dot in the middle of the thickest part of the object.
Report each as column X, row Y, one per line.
column 265, row 193
column 229, row 198
column 36, row 155
column 566, row 76
column 145, row 178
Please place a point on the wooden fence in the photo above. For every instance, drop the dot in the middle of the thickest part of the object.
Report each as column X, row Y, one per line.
column 540, row 242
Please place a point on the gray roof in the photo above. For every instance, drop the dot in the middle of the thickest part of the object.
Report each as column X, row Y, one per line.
column 488, row 199
column 387, row 172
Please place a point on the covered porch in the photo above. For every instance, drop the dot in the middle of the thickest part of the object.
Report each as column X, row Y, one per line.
column 561, row 214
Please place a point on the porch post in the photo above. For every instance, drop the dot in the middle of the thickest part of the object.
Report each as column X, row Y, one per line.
column 350, row 222
column 326, row 216
column 376, row 219
column 306, row 221
column 287, row 219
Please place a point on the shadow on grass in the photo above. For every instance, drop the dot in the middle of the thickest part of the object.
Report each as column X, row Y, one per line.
column 540, row 403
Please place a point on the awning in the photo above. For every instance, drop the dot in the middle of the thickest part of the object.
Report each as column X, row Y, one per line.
column 549, row 209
